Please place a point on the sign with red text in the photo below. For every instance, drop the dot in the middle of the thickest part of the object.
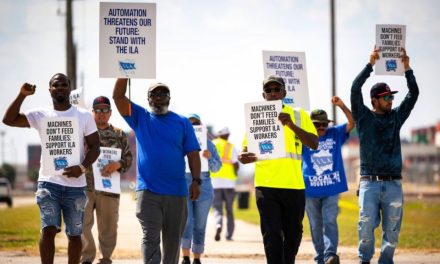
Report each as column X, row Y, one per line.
column 389, row 41
column 291, row 66
column 127, row 40
column 265, row 134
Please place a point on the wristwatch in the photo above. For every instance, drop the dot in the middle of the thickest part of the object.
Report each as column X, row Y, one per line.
column 198, row 180
column 83, row 169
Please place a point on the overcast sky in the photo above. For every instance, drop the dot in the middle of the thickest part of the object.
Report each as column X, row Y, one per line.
column 210, row 54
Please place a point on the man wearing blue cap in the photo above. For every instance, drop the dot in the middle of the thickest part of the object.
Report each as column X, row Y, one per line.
column 380, row 188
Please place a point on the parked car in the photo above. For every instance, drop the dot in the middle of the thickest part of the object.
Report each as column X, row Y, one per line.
column 5, row 192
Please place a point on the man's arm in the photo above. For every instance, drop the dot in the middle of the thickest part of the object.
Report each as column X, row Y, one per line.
column 92, row 154
column 12, row 116
column 350, row 121
column 92, row 142
column 357, row 101
column 404, row 109
column 306, row 138
column 126, row 155
column 121, row 101
column 124, row 163
column 214, row 160
column 195, row 167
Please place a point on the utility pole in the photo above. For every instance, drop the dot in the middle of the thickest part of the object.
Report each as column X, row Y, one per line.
column 333, row 55
column 70, row 46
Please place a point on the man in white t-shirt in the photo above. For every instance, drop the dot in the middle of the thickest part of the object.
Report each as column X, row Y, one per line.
column 64, row 131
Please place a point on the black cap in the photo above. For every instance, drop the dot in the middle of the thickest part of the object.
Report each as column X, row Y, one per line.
column 101, row 100
column 380, row 89
column 274, row 79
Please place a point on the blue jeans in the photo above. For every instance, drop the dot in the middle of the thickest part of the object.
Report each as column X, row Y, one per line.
column 379, row 199
column 197, row 217
column 54, row 200
column 322, row 213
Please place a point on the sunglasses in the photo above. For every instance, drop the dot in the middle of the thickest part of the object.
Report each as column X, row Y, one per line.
column 388, row 97
column 319, row 124
column 102, row 110
column 273, row 89
column 158, row 94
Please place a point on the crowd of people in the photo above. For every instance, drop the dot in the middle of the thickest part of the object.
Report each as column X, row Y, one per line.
column 172, row 203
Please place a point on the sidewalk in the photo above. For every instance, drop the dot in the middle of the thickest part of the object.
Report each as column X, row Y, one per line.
column 247, row 246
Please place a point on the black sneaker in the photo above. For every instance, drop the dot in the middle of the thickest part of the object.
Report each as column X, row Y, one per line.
column 333, row 260
column 186, row 260
column 364, row 262
column 197, row 261
column 217, row 234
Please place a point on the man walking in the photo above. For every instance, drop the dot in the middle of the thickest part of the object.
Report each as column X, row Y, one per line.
column 105, row 204
column 223, row 182
column 324, row 177
column 380, row 188
column 64, row 130
column 279, row 182
column 163, row 139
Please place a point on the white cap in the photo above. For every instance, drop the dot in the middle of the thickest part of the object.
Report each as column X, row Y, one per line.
column 223, row 131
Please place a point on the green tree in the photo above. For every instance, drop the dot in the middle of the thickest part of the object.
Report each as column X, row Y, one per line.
column 9, row 172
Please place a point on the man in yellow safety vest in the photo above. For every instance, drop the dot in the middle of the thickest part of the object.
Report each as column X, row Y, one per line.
column 223, row 182
column 279, row 182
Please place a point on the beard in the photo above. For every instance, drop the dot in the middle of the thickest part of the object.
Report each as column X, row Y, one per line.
column 159, row 110
column 60, row 99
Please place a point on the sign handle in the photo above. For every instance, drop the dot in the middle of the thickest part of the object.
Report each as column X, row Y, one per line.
column 129, row 96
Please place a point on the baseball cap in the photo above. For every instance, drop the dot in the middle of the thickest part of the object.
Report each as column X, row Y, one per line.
column 319, row 116
column 195, row 116
column 101, row 100
column 223, row 131
column 273, row 78
column 157, row 85
column 380, row 89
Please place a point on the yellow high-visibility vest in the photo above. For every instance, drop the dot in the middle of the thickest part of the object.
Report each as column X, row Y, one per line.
column 285, row 172
column 224, row 149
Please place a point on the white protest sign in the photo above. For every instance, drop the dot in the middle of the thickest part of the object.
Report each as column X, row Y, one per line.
column 111, row 183
column 202, row 138
column 389, row 41
column 127, row 40
column 264, row 131
column 291, row 66
column 77, row 98
column 60, row 144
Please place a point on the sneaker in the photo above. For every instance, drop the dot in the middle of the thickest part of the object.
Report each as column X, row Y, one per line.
column 197, row 261
column 186, row 260
column 229, row 239
column 217, row 234
column 333, row 260
column 364, row 262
